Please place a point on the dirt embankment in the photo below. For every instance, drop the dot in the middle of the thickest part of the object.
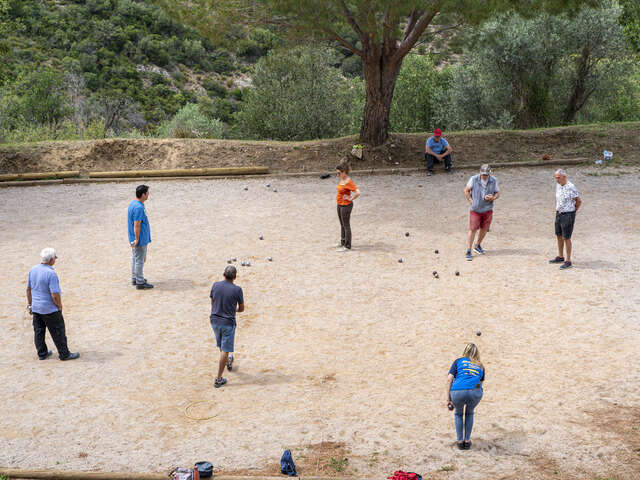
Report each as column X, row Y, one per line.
column 402, row 150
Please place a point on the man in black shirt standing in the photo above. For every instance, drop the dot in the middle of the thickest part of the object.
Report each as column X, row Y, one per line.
column 226, row 300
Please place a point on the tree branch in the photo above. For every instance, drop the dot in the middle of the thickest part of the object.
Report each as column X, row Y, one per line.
column 413, row 35
column 389, row 26
column 352, row 22
column 343, row 42
column 413, row 18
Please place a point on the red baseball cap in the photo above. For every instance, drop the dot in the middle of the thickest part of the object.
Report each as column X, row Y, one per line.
column 437, row 132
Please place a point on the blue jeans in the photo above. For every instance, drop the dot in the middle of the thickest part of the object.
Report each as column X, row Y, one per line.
column 471, row 398
column 138, row 257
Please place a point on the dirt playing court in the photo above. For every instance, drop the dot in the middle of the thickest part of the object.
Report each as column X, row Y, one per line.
column 338, row 355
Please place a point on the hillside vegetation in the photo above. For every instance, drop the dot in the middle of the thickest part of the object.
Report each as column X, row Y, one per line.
column 96, row 69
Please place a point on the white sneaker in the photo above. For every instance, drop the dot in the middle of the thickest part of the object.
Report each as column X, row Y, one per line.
column 342, row 249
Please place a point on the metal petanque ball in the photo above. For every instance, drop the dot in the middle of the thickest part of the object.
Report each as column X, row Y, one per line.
column 400, row 260
column 246, row 188
column 268, row 185
column 436, row 251
column 261, row 237
column 234, row 259
column 457, row 273
column 275, row 189
column 478, row 333
column 270, row 259
column 406, row 234
column 229, row 261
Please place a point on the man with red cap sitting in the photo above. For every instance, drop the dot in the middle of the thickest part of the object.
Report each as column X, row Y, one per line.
column 437, row 148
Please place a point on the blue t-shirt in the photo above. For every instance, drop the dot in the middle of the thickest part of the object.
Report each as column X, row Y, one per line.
column 226, row 297
column 467, row 375
column 137, row 213
column 437, row 147
column 43, row 281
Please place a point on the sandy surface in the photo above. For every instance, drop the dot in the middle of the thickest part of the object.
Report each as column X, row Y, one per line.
column 338, row 354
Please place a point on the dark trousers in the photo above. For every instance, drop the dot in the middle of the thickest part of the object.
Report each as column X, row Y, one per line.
column 55, row 323
column 430, row 159
column 344, row 214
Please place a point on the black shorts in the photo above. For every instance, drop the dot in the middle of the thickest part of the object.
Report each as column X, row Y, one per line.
column 564, row 224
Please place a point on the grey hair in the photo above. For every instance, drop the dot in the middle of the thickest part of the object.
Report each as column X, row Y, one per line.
column 230, row 272
column 47, row 254
column 561, row 171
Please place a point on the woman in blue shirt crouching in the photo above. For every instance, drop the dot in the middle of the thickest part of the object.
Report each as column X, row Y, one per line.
column 464, row 388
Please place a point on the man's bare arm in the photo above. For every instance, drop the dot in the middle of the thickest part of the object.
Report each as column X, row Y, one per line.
column 28, row 295
column 57, row 299
column 136, row 231
column 240, row 307
column 578, row 203
column 467, row 193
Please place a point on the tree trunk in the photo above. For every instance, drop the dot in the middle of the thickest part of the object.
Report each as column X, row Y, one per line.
column 380, row 76
column 579, row 90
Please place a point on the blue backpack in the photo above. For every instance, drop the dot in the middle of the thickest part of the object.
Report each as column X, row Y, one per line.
column 286, row 464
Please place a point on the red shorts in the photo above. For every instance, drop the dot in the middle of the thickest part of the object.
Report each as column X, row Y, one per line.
column 480, row 221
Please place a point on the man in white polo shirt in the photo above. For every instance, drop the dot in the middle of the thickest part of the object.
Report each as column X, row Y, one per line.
column 567, row 204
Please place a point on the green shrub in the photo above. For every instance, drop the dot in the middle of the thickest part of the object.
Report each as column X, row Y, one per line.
column 214, row 88
column 222, row 62
column 420, row 88
column 189, row 122
column 298, row 95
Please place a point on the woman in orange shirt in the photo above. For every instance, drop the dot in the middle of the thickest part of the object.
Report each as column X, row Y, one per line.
column 347, row 193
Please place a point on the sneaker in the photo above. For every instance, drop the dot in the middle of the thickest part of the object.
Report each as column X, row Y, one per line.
column 479, row 250
column 230, row 363
column 71, row 356
column 429, row 173
column 219, row 382
column 468, row 256
column 449, row 171
column 342, row 249
column 557, row 260
column 565, row 265
column 144, row 286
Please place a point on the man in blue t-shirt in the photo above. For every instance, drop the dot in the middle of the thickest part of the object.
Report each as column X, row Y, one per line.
column 437, row 149
column 44, row 302
column 139, row 236
column 226, row 300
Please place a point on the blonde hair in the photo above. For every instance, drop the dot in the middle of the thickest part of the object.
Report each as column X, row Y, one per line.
column 472, row 353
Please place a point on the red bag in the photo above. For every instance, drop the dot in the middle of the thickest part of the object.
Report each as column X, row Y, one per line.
column 401, row 475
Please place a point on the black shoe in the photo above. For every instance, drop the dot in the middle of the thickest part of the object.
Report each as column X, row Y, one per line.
column 460, row 445
column 557, row 260
column 133, row 281
column 230, row 363
column 565, row 265
column 219, row 383
column 467, row 445
column 49, row 353
column 143, row 286
column 71, row 356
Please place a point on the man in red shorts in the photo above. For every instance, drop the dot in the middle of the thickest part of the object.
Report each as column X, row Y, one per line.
column 481, row 191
